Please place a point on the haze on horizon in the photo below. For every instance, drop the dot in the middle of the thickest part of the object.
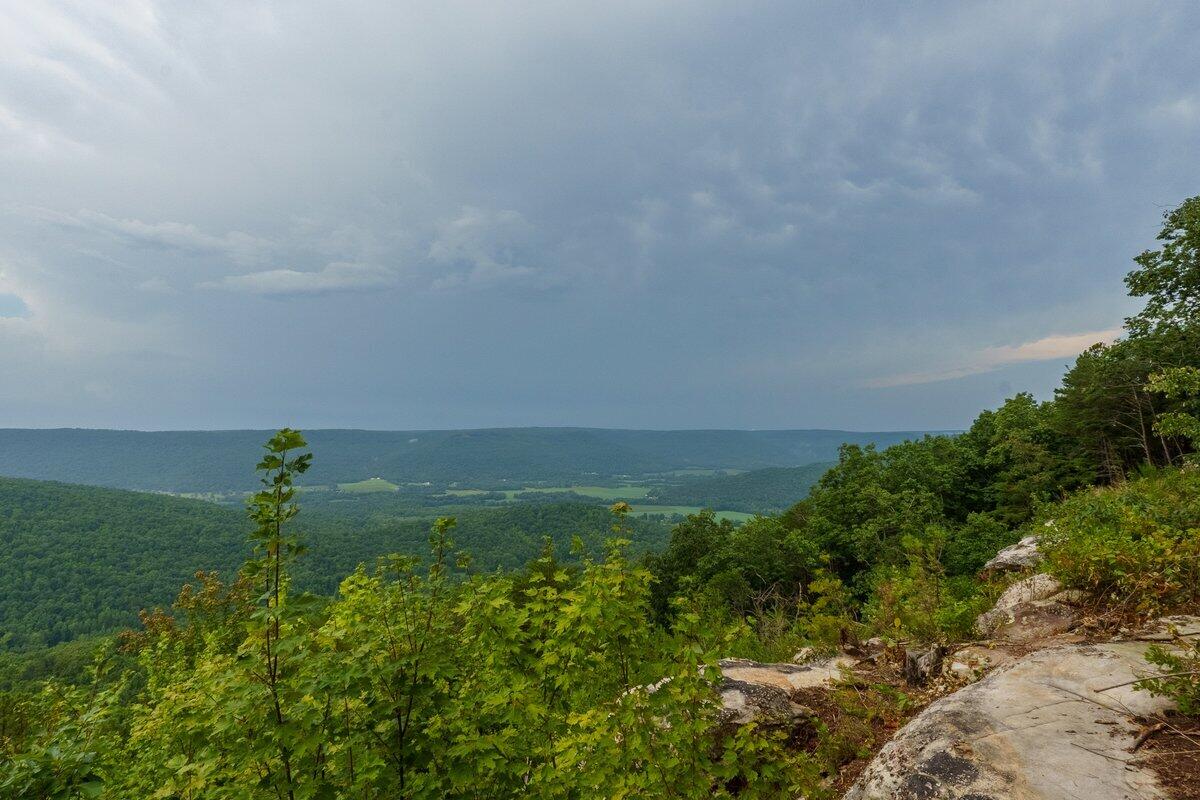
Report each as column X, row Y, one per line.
column 639, row 215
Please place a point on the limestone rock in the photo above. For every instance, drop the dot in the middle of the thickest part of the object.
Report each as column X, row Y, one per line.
column 974, row 660
column 1168, row 629
column 743, row 702
column 755, row 692
column 788, row 677
column 1022, row 555
column 1022, row 593
column 1046, row 727
column 1071, row 597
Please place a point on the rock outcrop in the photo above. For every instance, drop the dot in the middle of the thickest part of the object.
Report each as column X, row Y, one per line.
column 974, row 660
column 1023, row 555
column 1057, row 724
column 755, row 692
column 1032, row 608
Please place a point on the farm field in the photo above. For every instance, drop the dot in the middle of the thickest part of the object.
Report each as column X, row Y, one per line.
column 369, row 486
column 599, row 492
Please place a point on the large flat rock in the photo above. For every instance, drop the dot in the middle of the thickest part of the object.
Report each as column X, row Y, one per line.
column 763, row 693
column 1039, row 728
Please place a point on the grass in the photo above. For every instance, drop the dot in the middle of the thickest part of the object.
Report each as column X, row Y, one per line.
column 368, row 486
column 670, row 511
column 599, row 492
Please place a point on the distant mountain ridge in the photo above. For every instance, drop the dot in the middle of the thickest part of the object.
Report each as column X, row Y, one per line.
column 215, row 461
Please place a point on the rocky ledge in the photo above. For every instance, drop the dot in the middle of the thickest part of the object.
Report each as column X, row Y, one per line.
column 1057, row 724
column 764, row 693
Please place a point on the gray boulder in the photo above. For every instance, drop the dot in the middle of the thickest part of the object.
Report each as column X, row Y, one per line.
column 764, row 693
column 1014, row 558
column 1019, row 597
column 787, row 677
column 1054, row 725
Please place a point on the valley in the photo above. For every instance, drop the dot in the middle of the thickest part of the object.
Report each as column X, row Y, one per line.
column 599, row 401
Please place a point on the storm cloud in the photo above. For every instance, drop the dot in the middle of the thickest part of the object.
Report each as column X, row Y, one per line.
column 406, row 215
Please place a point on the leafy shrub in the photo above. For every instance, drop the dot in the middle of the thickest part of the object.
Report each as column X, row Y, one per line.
column 920, row 601
column 973, row 544
column 1180, row 678
column 1134, row 547
column 854, row 720
column 409, row 684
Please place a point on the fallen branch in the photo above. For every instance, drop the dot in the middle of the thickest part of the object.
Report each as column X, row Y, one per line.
column 1151, row 678
column 1145, row 735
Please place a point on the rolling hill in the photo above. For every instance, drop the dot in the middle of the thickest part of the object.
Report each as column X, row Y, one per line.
column 215, row 461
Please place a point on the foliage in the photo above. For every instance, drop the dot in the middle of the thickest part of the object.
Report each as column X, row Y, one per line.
column 732, row 566
column 1134, row 546
column 1108, row 408
column 918, row 600
column 68, row 550
column 1179, row 383
column 976, row 489
column 856, row 721
column 1108, row 402
column 907, row 527
column 1169, row 278
column 1179, row 677
column 408, row 684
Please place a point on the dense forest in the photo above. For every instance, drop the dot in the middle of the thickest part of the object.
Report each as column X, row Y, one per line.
column 214, row 461
column 81, row 560
column 557, row 681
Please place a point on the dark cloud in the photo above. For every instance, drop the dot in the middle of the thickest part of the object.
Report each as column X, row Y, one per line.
column 754, row 215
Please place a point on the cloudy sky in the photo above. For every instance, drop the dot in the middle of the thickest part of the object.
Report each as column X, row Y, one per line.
column 412, row 215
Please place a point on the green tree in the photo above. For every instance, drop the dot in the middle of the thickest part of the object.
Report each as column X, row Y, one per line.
column 1169, row 278
column 1181, row 384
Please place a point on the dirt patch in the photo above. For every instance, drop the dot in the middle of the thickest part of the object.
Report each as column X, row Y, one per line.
column 855, row 718
column 1172, row 751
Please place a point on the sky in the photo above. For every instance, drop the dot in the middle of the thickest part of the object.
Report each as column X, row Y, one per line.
column 871, row 216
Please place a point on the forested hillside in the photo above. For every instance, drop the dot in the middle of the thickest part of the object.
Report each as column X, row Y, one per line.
column 214, row 461
column 759, row 491
column 80, row 560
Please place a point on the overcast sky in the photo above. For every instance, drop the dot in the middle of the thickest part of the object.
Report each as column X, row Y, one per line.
column 666, row 215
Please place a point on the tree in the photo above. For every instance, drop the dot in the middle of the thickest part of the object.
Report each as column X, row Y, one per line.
column 1169, row 278
column 1181, row 384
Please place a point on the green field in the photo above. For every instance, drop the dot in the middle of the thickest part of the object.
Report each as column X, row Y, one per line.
column 599, row 492
column 368, row 486
column 644, row 510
